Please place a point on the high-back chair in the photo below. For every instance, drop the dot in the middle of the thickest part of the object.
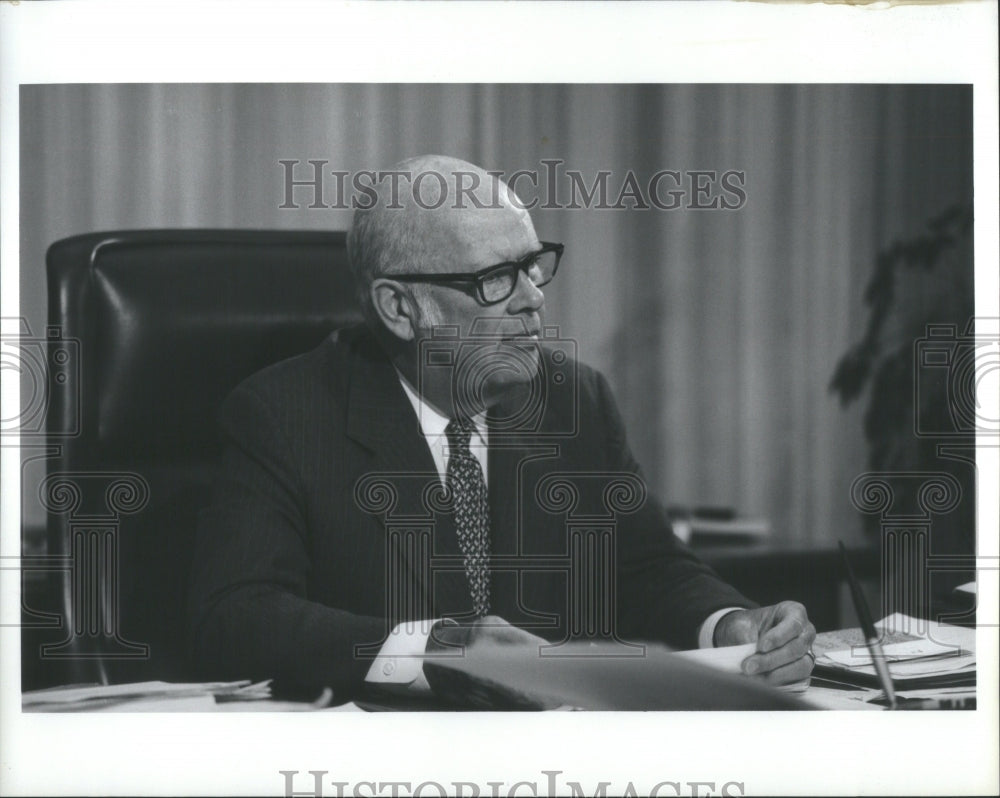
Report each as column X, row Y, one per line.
column 164, row 324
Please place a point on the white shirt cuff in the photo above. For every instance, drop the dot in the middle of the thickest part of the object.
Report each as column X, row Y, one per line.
column 706, row 635
column 401, row 658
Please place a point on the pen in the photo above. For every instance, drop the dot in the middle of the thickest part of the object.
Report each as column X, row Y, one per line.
column 868, row 630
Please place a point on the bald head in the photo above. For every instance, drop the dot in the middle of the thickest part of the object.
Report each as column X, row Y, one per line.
column 433, row 213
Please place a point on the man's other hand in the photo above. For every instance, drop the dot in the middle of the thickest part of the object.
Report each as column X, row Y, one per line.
column 477, row 639
column 491, row 629
column 784, row 638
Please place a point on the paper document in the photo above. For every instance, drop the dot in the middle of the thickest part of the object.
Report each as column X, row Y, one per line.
column 194, row 703
column 961, row 636
column 106, row 696
column 728, row 659
column 907, row 651
column 829, row 698
column 938, row 692
column 919, row 653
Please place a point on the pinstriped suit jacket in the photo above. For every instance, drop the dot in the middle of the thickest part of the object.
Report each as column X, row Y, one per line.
column 295, row 579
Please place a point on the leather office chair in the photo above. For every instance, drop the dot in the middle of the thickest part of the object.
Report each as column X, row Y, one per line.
column 168, row 322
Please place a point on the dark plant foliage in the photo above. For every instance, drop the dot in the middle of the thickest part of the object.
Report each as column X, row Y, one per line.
column 920, row 254
column 925, row 280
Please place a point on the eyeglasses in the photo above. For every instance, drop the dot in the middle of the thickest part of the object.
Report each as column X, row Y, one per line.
column 496, row 283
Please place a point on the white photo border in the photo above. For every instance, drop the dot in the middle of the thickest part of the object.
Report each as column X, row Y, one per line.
column 242, row 754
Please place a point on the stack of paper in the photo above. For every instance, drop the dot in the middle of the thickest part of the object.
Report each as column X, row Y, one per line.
column 729, row 659
column 142, row 696
column 919, row 654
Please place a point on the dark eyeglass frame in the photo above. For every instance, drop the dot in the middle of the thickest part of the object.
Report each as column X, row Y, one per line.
column 477, row 278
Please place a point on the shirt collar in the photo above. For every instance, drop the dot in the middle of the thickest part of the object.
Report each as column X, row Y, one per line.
column 433, row 423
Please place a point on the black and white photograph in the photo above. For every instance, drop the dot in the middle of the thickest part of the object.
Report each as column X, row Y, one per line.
column 391, row 430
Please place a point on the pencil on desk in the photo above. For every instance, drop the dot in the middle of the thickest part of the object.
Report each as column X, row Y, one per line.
column 868, row 630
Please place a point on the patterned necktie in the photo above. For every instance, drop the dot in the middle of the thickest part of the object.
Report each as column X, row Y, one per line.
column 464, row 477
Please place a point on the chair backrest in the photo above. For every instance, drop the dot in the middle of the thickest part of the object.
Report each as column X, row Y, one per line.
column 166, row 323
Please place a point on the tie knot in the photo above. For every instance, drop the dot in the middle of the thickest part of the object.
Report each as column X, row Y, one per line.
column 459, row 432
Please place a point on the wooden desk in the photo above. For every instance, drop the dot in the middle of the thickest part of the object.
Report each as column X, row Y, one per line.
column 766, row 572
column 819, row 696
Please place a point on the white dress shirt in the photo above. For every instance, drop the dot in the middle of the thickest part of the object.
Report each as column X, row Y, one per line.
column 400, row 660
column 433, row 425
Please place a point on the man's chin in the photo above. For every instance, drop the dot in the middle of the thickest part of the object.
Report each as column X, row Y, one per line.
column 505, row 385
column 522, row 361
column 496, row 372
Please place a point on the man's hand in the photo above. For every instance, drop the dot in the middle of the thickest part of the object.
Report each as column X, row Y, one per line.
column 491, row 629
column 477, row 639
column 783, row 635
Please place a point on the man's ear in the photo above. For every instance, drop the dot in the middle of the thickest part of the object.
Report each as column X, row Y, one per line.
column 395, row 307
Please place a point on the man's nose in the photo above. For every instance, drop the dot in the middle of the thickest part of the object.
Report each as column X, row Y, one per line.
column 526, row 296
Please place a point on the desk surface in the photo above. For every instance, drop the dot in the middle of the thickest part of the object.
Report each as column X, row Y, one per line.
column 662, row 681
column 767, row 572
column 818, row 696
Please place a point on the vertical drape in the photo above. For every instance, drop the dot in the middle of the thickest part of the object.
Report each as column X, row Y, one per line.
column 719, row 330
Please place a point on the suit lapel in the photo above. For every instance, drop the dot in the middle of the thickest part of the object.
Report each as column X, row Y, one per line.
column 520, row 528
column 381, row 418
column 504, row 456
column 512, row 500
column 514, row 517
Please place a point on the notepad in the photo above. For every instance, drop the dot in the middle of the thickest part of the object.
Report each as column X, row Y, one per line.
column 920, row 654
column 906, row 651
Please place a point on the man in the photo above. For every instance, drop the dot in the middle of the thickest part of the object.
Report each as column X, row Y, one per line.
column 421, row 473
